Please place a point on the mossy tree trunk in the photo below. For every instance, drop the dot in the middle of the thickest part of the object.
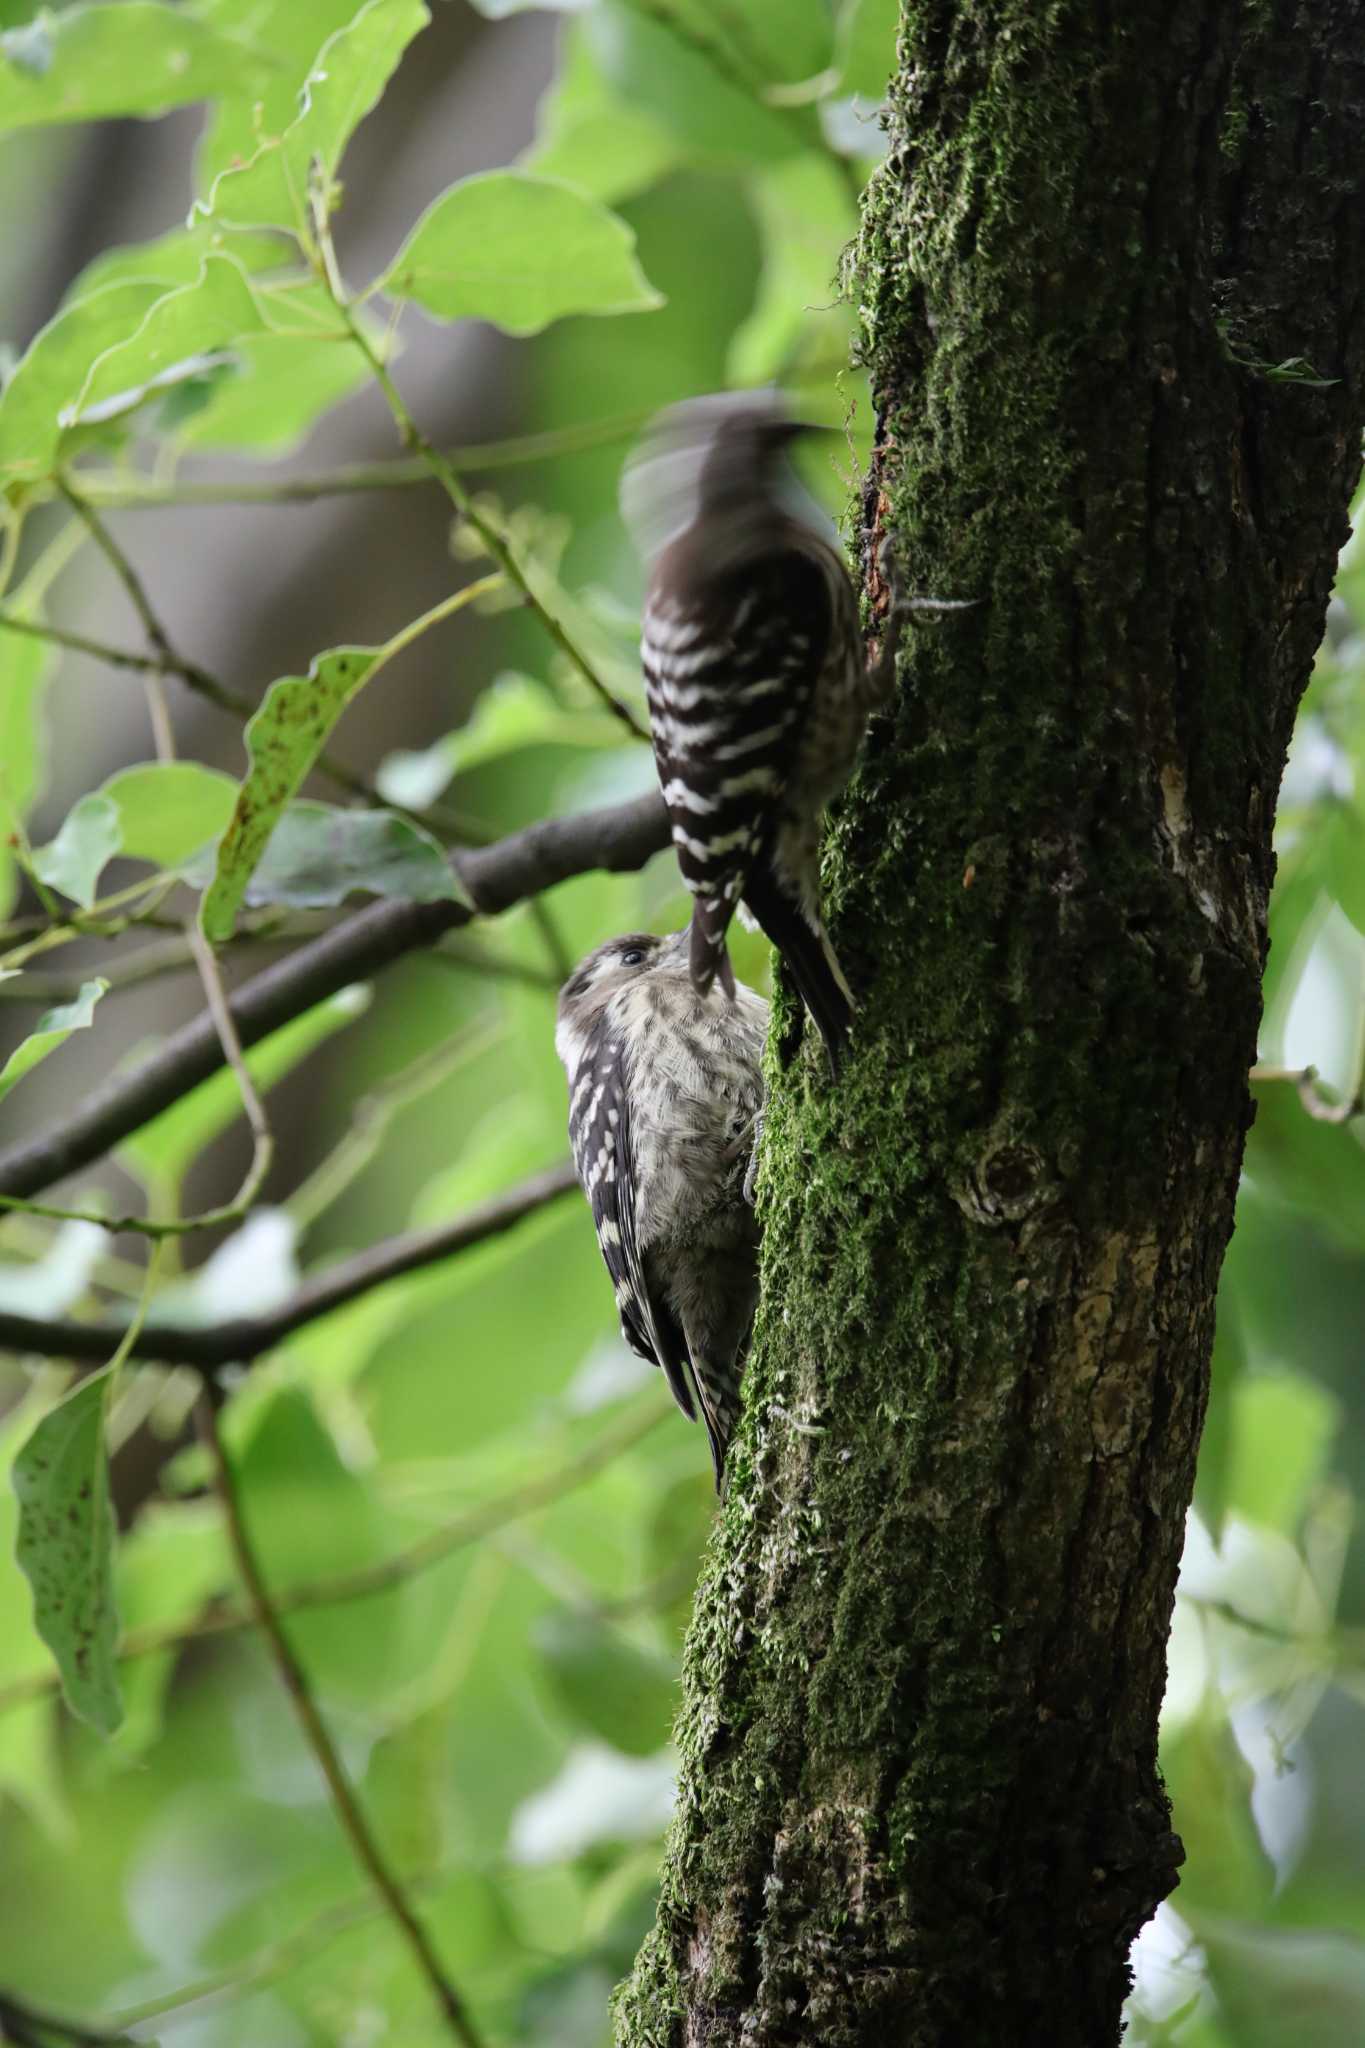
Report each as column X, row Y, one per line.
column 1113, row 257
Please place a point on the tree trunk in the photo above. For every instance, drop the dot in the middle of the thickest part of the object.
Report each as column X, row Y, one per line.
column 1111, row 284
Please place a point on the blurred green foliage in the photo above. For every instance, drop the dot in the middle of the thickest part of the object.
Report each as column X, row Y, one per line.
column 502, row 1696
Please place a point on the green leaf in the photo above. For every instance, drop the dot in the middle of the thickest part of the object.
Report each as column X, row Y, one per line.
column 136, row 58
column 181, row 331
column 65, row 1548
column 514, row 711
column 606, row 1683
column 177, row 257
column 290, row 34
column 52, row 1030
column 26, row 666
column 281, row 387
column 169, row 809
column 319, row 854
column 283, row 740
column 590, row 137
column 53, row 370
column 74, row 860
column 162, row 811
column 350, row 73
column 521, row 252
column 161, row 1151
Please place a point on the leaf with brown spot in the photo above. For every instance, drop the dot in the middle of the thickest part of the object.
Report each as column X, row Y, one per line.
column 65, row 1548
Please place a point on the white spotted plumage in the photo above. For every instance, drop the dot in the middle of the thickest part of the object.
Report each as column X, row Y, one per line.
column 665, row 1095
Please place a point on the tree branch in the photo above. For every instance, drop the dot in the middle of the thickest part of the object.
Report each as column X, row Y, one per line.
column 618, row 839
column 237, row 1343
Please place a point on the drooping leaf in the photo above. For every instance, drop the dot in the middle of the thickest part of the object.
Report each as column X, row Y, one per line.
column 351, row 71
column 283, row 741
column 521, row 252
column 52, row 372
column 52, row 1029
column 65, row 1548
column 184, row 329
column 319, row 854
column 162, row 1151
column 72, row 862
column 140, row 57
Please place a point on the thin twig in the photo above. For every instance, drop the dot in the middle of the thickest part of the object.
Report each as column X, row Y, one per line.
column 345, row 1804
column 477, row 456
column 617, row 838
column 224, row 1343
column 215, row 995
column 366, row 1582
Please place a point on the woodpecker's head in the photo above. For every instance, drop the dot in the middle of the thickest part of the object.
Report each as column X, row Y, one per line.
column 609, row 968
column 715, row 460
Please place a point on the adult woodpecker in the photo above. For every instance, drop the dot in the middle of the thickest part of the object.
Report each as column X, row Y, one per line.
column 665, row 1100
column 758, row 688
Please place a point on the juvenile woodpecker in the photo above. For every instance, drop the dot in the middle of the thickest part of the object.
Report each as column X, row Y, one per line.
column 665, row 1096
column 757, row 683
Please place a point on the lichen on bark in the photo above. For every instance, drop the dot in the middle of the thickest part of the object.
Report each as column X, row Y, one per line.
column 919, row 1799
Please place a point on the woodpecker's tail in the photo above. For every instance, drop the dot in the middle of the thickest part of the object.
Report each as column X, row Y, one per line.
column 718, row 1391
column 810, row 958
column 708, row 955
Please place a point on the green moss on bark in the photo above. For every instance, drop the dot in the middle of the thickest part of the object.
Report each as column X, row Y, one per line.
column 919, row 1799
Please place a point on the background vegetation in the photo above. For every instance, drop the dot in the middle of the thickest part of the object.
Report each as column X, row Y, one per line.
column 193, row 442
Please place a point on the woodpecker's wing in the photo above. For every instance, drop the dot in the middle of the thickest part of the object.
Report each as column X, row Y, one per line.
column 599, row 1132
column 731, row 661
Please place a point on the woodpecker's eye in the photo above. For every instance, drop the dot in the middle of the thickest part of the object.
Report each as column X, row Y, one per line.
column 632, row 956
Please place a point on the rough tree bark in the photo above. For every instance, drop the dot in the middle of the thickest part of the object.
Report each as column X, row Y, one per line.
column 1113, row 258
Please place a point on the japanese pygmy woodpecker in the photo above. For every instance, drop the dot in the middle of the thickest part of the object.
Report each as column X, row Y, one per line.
column 665, row 1100
column 758, row 687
